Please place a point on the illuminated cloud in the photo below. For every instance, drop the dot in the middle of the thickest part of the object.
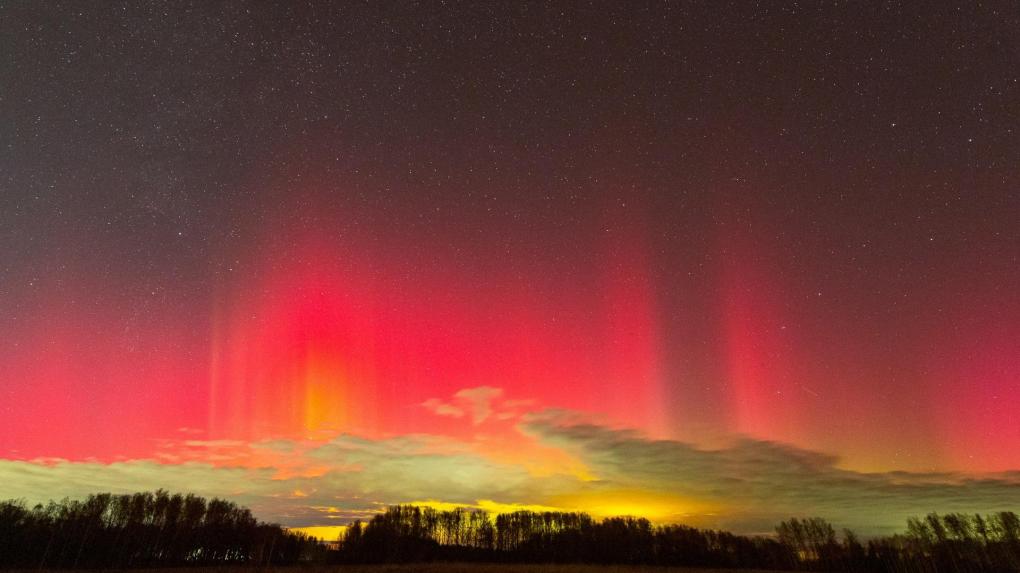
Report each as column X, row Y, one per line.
column 440, row 408
column 480, row 403
column 751, row 484
column 746, row 486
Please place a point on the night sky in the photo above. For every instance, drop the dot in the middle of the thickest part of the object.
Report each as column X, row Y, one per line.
column 710, row 262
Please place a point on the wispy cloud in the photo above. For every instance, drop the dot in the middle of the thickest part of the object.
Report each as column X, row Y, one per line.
column 480, row 403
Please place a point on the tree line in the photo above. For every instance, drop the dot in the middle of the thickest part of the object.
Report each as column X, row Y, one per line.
column 142, row 530
column 932, row 544
column 162, row 529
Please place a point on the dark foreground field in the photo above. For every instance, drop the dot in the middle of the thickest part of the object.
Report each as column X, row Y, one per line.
column 443, row 568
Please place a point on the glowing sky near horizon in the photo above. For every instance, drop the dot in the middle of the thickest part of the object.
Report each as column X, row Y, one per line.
column 225, row 227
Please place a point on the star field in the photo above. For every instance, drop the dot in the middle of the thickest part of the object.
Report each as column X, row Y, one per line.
column 792, row 222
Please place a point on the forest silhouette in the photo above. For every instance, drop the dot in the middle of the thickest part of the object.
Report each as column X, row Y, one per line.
column 163, row 529
column 141, row 530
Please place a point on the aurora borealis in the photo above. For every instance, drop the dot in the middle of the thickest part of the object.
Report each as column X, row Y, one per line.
column 712, row 263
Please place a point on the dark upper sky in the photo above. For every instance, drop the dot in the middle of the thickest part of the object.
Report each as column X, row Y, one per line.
column 813, row 200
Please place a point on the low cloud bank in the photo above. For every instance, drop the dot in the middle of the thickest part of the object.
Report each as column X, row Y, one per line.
column 746, row 487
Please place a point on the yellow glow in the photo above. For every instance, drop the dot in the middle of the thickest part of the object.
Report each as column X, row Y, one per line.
column 323, row 532
column 493, row 507
column 657, row 507
column 496, row 507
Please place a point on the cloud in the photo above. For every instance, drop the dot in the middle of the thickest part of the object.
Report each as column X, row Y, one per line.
column 441, row 408
column 756, row 483
column 479, row 402
column 747, row 486
column 37, row 482
column 361, row 477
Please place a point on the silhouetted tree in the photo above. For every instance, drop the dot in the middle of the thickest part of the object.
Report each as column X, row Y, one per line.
column 141, row 530
column 162, row 529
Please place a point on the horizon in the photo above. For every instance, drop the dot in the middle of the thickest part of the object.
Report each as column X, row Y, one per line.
column 719, row 265
column 108, row 507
